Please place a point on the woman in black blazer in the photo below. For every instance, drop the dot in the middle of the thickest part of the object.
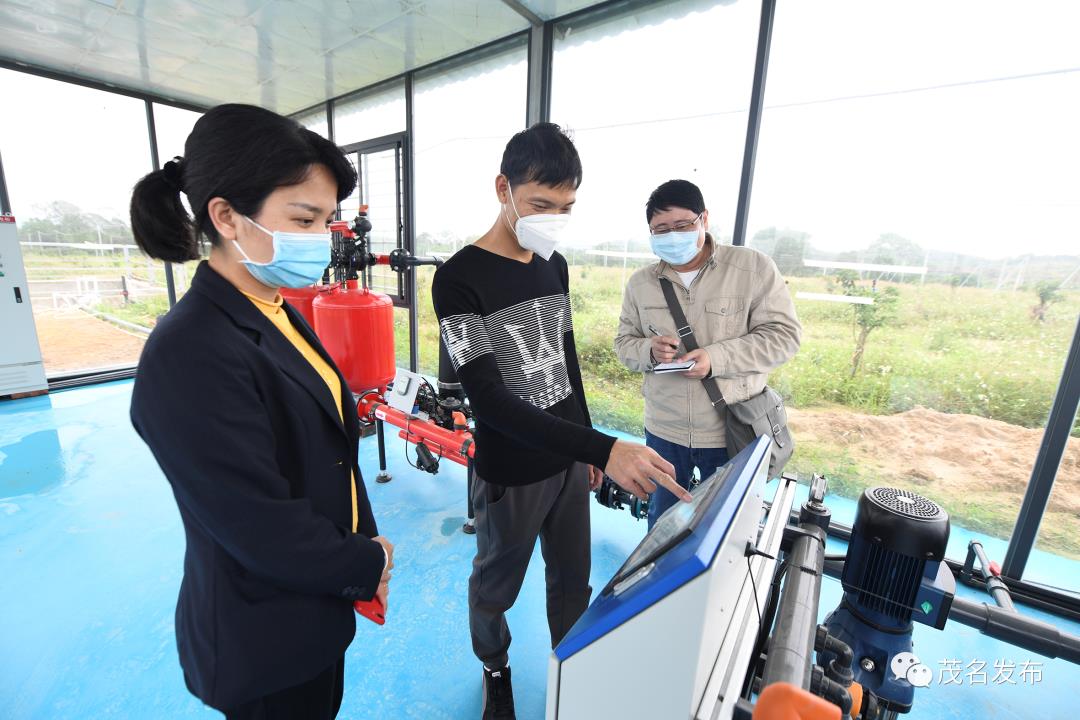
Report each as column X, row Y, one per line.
column 252, row 423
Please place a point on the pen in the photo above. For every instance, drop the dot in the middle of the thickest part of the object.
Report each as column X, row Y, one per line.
column 657, row 333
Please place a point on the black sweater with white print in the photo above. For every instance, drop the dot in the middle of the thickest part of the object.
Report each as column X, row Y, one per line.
column 509, row 333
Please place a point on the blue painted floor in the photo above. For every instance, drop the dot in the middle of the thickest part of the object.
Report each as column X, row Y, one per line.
column 91, row 548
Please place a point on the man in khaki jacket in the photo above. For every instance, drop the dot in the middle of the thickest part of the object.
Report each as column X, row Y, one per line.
column 742, row 316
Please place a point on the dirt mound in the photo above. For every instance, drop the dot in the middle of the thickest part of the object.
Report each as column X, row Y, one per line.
column 963, row 455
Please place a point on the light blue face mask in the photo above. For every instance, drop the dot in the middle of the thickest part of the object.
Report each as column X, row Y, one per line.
column 299, row 258
column 676, row 248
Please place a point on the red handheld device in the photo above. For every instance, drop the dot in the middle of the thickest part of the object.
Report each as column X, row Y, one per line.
column 372, row 609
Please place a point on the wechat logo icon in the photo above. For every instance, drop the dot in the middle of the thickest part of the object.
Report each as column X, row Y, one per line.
column 905, row 666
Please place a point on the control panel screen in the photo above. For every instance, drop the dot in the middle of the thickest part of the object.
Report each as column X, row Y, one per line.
column 672, row 527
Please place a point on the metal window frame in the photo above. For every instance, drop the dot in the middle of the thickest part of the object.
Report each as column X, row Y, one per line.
column 541, row 56
column 408, row 234
column 397, row 143
column 330, row 120
column 753, row 121
column 155, row 163
column 1047, row 462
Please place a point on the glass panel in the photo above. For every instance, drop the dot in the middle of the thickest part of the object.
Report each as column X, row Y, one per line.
column 941, row 191
column 401, row 337
column 1055, row 559
column 369, row 115
column 456, row 158
column 172, row 126
column 428, row 329
column 315, row 120
column 70, row 176
column 646, row 123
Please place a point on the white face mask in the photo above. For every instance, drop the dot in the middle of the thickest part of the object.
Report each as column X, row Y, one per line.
column 538, row 233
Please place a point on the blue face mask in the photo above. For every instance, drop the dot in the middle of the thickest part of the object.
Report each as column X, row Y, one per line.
column 676, row 248
column 299, row 258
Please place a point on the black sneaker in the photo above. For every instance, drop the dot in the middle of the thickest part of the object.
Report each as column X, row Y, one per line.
column 498, row 695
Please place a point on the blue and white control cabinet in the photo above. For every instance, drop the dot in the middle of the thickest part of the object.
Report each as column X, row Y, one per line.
column 672, row 634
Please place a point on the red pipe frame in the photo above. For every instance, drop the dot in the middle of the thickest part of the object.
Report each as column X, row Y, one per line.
column 456, row 445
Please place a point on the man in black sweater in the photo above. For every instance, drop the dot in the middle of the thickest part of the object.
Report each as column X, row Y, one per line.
column 503, row 305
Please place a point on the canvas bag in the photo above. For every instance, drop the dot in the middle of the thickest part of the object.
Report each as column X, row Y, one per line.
column 744, row 422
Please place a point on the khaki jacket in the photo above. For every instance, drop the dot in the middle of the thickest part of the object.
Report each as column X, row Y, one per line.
column 741, row 313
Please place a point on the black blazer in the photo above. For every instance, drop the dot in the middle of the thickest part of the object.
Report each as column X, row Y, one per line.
column 248, row 436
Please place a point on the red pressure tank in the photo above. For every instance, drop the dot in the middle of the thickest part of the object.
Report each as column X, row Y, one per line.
column 357, row 328
column 301, row 299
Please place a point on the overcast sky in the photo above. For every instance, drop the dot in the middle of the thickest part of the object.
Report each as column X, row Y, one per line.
column 951, row 123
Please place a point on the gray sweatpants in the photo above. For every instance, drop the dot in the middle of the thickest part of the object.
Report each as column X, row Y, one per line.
column 508, row 521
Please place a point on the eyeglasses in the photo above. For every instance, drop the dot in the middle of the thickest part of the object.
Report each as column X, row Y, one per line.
column 681, row 226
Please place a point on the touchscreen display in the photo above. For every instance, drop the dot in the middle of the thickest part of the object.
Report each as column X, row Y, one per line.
column 672, row 527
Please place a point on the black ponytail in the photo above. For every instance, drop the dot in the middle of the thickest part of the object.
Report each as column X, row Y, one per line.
column 161, row 225
column 241, row 153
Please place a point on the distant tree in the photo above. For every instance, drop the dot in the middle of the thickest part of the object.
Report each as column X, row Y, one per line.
column 424, row 242
column 1049, row 292
column 867, row 317
column 786, row 247
column 449, row 240
column 892, row 249
column 789, row 254
column 764, row 240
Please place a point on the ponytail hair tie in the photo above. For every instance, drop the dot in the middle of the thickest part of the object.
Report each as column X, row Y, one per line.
column 172, row 172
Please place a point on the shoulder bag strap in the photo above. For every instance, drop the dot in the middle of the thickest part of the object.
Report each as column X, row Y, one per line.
column 690, row 342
